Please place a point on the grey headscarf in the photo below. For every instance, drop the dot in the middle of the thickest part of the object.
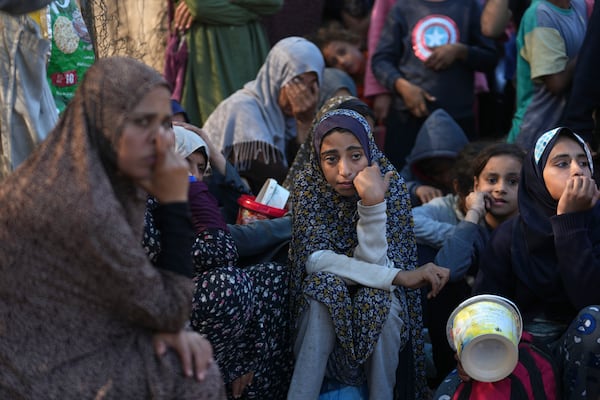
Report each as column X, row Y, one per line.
column 335, row 79
column 250, row 120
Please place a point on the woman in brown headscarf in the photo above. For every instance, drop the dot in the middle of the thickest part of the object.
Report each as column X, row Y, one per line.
column 84, row 314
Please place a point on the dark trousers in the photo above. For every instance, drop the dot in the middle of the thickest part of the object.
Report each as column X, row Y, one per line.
column 401, row 132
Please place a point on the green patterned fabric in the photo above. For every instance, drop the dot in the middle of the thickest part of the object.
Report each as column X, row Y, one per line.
column 227, row 46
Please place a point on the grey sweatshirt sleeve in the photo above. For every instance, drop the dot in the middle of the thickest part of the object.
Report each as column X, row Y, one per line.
column 372, row 236
column 352, row 270
column 434, row 222
column 370, row 265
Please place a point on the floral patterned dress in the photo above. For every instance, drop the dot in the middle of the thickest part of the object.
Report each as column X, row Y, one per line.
column 325, row 220
column 242, row 311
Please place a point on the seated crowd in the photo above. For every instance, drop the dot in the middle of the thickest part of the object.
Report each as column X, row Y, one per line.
column 127, row 272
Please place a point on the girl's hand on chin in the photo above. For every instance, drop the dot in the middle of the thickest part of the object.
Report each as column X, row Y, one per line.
column 371, row 186
column 580, row 194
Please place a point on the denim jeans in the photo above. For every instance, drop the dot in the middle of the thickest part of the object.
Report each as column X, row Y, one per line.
column 315, row 341
column 28, row 110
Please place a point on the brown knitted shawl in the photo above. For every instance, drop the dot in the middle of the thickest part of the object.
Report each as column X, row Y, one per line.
column 80, row 300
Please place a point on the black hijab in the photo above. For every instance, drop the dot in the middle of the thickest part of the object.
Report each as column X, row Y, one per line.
column 533, row 252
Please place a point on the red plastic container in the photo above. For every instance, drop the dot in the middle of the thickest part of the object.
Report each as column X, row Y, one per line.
column 251, row 211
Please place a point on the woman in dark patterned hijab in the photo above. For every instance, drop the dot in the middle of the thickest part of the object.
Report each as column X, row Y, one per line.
column 84, row 314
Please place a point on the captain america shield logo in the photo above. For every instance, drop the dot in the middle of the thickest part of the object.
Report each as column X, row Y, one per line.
column 432, row 31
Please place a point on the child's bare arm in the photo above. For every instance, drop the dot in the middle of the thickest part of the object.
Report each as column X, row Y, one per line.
column 495, row 17
column 558, row 83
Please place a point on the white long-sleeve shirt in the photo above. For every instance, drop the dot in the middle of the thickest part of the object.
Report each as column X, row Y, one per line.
column 370, row 265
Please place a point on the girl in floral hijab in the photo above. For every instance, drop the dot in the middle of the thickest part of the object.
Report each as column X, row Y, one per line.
column 350, row 259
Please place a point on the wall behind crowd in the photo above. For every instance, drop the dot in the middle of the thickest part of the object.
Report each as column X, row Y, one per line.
column 136, row 28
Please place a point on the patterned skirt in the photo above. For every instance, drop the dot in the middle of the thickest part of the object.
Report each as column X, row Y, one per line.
column 244, row 314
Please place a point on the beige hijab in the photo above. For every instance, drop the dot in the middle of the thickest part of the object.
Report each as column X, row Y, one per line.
column 80, row 299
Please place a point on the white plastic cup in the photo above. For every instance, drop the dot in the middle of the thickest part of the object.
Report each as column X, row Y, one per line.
column 485, row 331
